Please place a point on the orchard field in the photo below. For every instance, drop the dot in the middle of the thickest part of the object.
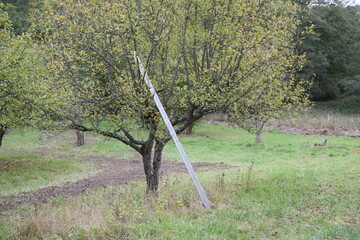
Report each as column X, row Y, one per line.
column 264, row 96
column 284, row 188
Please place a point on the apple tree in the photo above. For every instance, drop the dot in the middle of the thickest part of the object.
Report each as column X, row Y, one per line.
column 20, row 68
column 203, row 56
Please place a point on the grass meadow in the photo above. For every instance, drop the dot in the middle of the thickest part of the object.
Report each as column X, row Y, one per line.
column 284, row 188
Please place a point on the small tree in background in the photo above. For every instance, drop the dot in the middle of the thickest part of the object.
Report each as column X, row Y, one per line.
column 281, row 95
column 202, row 57
column 265, row 107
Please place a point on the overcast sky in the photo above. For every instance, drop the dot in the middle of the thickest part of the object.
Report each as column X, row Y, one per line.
column 354, row 2
column 346, row 2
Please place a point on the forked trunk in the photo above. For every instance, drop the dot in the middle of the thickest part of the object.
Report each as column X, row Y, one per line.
column 80, row 138
column 152, row 165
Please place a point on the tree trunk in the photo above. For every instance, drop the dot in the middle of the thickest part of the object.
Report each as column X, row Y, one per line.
column 152, row 165
column 2, row 133
column 189, row 130
column 259, row 124
column 80, row 138
column 258, row 137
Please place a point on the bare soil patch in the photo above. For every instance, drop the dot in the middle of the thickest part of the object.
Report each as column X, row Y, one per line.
column 114, row 173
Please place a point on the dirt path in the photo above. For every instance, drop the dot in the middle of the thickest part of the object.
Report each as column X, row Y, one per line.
column 114, row 173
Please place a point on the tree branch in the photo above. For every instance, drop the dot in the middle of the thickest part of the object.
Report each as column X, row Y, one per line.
column 134, row 144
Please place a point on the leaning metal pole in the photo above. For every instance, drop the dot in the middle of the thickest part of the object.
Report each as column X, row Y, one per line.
column 172, row 132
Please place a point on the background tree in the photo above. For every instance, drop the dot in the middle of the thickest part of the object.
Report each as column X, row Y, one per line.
column 290, row 96
column 267, row 106
column 19, row 83
column 202, row 56
column 280, row 95
column 18, row 14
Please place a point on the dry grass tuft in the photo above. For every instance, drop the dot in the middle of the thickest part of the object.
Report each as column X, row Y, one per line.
column 83, row 217
column 318, row 121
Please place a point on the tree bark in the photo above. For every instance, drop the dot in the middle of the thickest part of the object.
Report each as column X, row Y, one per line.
column 258, row 137
column 152, row 164
column 259, row 124
column 189, row 130
column 2, row 133
column 80, row 138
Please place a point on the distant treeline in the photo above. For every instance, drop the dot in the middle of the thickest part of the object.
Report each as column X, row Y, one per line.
column 332, row 50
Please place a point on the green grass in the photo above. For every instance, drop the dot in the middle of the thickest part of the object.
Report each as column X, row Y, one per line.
column 24, row 172
column 27, row 163
column 285, row 188
column 215, row 143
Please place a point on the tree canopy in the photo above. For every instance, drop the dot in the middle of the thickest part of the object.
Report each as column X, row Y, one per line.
column 19, row 66
column 202, row 56
column 18, row 14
